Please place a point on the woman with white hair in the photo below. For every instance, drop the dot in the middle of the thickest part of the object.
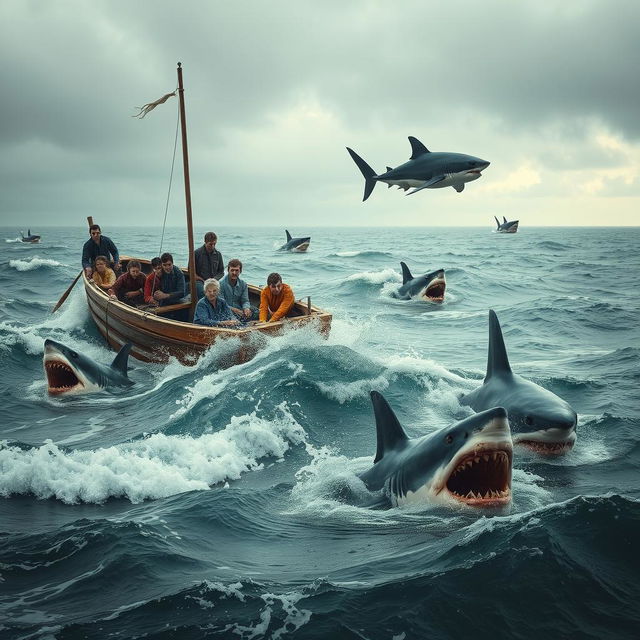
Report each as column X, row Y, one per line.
column 212, row 310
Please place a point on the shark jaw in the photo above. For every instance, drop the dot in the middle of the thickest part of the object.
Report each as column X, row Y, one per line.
column 434, row 291
column 551, row 442
column 301, row 248
column 62, row 376
column 479, row 475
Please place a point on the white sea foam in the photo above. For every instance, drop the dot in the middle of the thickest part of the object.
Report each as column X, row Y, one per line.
column 33, row 263
column 375, row 277
column 346, row 391
column 156, row 467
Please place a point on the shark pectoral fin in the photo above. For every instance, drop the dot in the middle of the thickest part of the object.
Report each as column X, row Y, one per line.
column 389, row 431
column 417, row 148
column 406, row 274
column 121, row 360
column 428, row 184
column 497, row 222
column 288, row 235
column 458, row 187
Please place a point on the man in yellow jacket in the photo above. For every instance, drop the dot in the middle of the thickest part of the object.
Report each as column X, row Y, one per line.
column 276, row 299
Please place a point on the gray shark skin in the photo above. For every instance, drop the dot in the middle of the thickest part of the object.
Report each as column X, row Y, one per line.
column 69, row 372
column 424, row 170
column 29, row 237
column 297, row 245
column 540, row 420
column 506, row 226
column 430, row 287
column 468, row 463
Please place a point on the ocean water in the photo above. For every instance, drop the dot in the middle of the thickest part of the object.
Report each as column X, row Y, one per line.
column 204, row 503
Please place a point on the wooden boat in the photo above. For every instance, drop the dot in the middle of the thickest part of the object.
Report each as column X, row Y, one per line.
column 156, row 337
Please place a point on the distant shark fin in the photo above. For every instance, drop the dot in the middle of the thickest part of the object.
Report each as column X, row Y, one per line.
column 388, row 430
column 428, row 184
column 417, row 148
column 458, row 187
column 368, row 173
column 288, row 235
column 121, row 360
column 497, row 221
column 406, row 274
column 497, row 360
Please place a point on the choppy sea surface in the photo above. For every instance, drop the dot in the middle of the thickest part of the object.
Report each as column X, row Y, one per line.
column 204, row 503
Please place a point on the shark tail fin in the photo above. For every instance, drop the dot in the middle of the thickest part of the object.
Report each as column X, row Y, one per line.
column 120, row 361
column 368, row 173
column 497, row 360
column 417, row 148
column 389, row 431
column 288, row 235
column 497, row 221
column 406, row 274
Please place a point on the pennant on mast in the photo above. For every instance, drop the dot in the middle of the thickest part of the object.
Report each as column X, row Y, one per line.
column 152, row 105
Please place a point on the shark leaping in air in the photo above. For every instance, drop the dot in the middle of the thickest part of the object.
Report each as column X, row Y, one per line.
column 424, row 170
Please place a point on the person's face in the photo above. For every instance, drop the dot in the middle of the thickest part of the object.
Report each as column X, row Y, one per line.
column 210, row 245
column 157, row 269
column 95, row 235
column 101, row 267
column 211, row 293
column 167, row 267
column 276, row 288
column 234, row 272
column 134, row 271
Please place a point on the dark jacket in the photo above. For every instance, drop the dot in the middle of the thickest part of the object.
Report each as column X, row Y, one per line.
column 208, row 265
column 91, row 250
column 173, row 284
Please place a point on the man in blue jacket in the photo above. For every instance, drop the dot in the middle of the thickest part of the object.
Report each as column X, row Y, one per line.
column 172, row 285
column 99, row 245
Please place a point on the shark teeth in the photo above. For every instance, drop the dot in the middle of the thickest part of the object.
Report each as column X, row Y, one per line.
column 60, row 377
column 548, row 448
column 482, row 478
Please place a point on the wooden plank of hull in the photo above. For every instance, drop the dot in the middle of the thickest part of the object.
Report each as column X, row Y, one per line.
column 156, row 338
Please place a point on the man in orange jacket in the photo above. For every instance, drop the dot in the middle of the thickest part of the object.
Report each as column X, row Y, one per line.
column 276, row 299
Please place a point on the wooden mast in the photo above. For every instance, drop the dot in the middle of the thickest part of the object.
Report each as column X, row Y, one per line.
column 187, row 194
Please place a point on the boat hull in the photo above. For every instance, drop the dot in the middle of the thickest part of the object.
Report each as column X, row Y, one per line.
column 157, row 339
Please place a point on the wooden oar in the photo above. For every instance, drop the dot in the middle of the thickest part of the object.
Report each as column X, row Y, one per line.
column 65, row 295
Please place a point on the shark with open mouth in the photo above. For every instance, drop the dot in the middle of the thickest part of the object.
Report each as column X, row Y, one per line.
column 69, row 372
column 468, row 463
column 429, row 287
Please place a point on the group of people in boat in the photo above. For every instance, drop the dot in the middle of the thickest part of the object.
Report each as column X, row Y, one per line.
column 223, row 300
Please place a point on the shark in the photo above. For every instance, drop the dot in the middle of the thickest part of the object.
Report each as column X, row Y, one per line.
column 297, row 245
column 540, row 420
column 506, row 226
column 429, row 287
column 29, row 237
column 424, row 170
column 69, row 372
column 465, row 464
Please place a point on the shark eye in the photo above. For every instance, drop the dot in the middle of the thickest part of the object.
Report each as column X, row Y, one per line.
column 73, row 354
column 448, row 438
column 528, row 420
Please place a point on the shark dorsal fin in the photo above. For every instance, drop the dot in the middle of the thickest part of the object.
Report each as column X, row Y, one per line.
column 120, row 361
column 288, row 235
column 497, row 221
column 417, row 148
column 388, row 430
column 497, row 360
column 505, row 220
column 406, row 274
column 389, row 168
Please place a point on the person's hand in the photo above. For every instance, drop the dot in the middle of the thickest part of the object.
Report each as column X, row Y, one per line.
column 247, row 313
column 88, row 271
column 131, row 294
column 159, row 295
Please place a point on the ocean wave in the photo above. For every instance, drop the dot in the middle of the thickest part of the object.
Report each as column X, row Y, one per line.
column 375, row 277
column 34, row 263
column 155, row 467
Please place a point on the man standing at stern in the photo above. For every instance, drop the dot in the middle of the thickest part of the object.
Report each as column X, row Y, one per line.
column 208, row 262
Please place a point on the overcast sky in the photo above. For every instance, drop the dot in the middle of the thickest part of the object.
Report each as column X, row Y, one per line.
column 547, row 91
